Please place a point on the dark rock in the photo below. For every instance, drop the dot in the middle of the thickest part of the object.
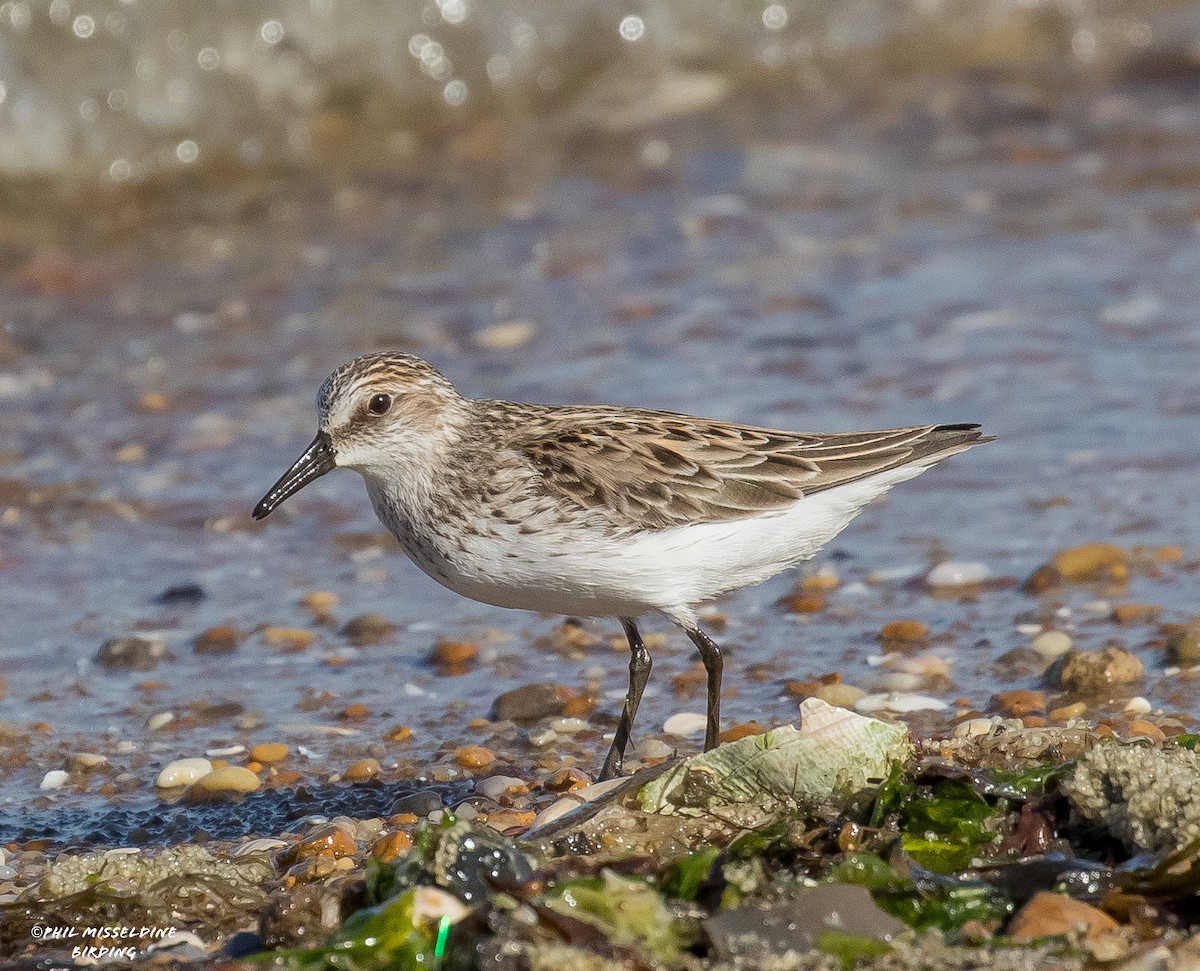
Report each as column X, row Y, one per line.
column 756, row 931
column 368, row 629
column 131, row 653
column 181, row 595
column 242, row 944
column 529, row 703
column 482, row 861
column 420, row 803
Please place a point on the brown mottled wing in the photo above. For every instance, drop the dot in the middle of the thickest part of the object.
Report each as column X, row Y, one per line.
column 650, row 469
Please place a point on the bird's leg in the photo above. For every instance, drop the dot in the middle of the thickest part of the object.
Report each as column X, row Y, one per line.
column 710, row 656
column 639, row 671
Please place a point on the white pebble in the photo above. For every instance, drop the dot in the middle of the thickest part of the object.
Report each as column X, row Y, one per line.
column 496, row 785
column 542, row 736
column 181, row 772
column 899, row 702
column 1051, row 643
column 54, row 779
column 220, row 753
column 685, row 723
column 568, row 726
column 973, row 727
column 901, row 681
column 1138, row 706
column 951, row 574
column 1029, row 630
column 159, row 719
column 1101, row 608
column 654, row 748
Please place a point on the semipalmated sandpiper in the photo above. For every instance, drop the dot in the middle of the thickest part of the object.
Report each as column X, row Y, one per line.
column 596, row 511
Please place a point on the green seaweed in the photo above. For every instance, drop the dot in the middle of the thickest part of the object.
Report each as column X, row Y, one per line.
column 684, row 878
column 628, row 910
column 850, row 948
column 891, row 794
column 1187, row 741
column 943, row 830
column 1025, row 784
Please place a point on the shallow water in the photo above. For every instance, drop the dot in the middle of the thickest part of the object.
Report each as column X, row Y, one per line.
column 970, row 248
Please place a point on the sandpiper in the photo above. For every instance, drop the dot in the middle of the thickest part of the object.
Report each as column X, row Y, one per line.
column 595, row 511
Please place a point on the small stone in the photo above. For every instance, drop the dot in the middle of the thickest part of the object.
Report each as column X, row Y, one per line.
column 734, row 732
column 181, row 594
column 1183, row 644
column 1136, row 613
column 1019, row 703
column 569, row 726
column 363, row 770
column 950, row 575
column 54, row 779
column 654, row 749
column 321, row 604
column 566, row 780
column 578, row 707
column 902, row 631
column 823, row 581
column 1090, row 563
column 288, row 639
column 453, row 654
column 223, row 639
column 368, row 629
column 494, row 786
column 508, row 820
column 839, row 695
column 354, row 712
column 391, row 847
column 131, row 653
column 974, row 727
column 506, row 336
column 268, row 753
column 1067, row 712
column 1138, row 706
column 474, row 757
column 685, row 724
column 181, row 772
column 529, row 703
column 327, row 840
column 1052, row 914
column 1140, row 728
column 1094, row 672
column 398, row 733
column 229, row 779
column 81, row 762
column 1051, row 643
column 802, row 602
column 899, row 702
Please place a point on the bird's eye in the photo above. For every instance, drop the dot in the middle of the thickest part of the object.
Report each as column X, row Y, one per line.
column 379, row 404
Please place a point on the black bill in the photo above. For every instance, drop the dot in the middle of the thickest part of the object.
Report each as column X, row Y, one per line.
column 314, row 463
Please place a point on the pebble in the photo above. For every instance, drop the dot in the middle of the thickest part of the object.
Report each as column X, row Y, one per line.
column 542, row 736
column 1051, row 643
column 974, row 727
column 1135, row 613
column 745, row 729
column 268, row 753
column 566, row 780
column 368, row 629
column 321, row 604
column 1067, row 712
column 159, row 719
column 494, row 786
column 899, row 703
column 1091, row 672
column 569, row 726
column 181, row 772
column 1050, row 914
column 355, row 712
column 951, row 574
column 802, row 602
column 54, row 779
column 904, row 630
column 474, row 757
column 327, row 840
column 220, row 753
column 392, row 846
column 218, row 782
column 86, row 761
column 529, row 703
column 1019, row 703
column 363, row 770
column 654, row 748
column 289, row 639
column 573, row 800
column 1183, row 644
column 1138, row 706
column 218, row 640
column 453, row 654
column 131, row 653
column 685, row 724
column 1089, row 563
column 1140, row 728
column 839, row 695
column 511, row 819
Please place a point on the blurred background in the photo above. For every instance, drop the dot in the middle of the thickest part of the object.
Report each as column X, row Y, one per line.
column 823, row 216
